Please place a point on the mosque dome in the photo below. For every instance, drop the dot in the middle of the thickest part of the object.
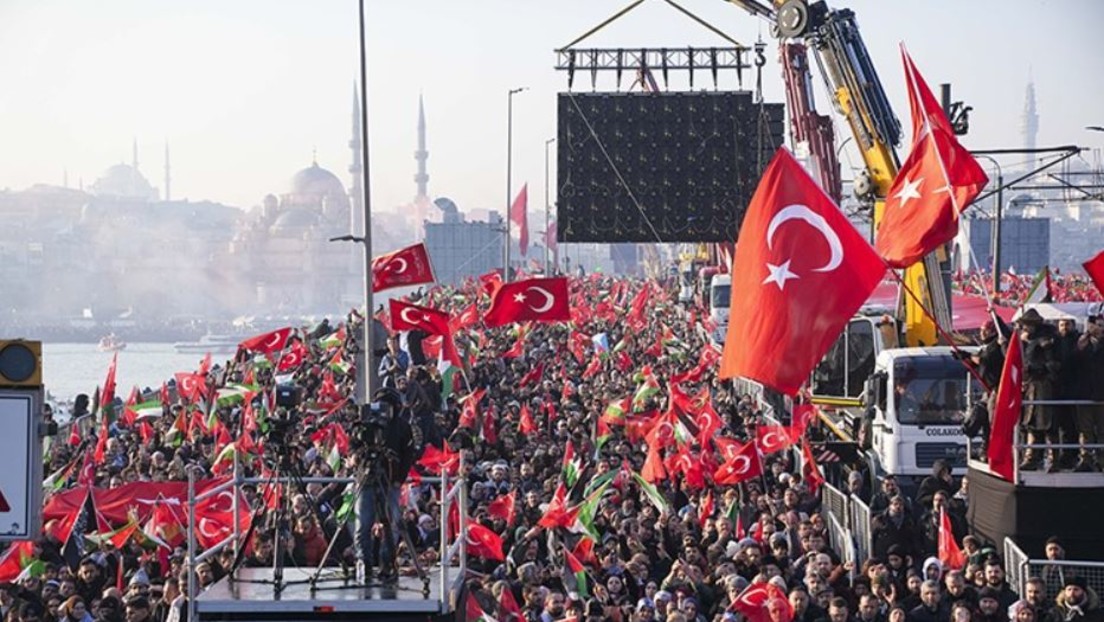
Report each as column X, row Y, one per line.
column 124, row 180
column 294, row 222
column 316, row 181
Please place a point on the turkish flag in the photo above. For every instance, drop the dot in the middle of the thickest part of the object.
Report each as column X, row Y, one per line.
column 525, row 423
column 809, row 470
column 215, row 518
column 293, row 358
column 490, row 282
column 1007, row 411
column 754, row 603
column 405, row 316
column 1095, row 269
column 772, row 438
column 402, row 268
column 504, row 507
column 190, row 386
column 801, row 271
column 108, row 394
column 936, row 183
column 745, row 464
column 531, row 300
column 268, row 342
column 519, row 215
column 950, row 554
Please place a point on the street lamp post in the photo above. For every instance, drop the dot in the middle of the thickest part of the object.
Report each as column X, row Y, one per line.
column 370, row 379
column 547, row 207
column 509, row 173
column 997, row 226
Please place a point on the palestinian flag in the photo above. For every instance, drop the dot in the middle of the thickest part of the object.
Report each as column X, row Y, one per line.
column 588, row 509
column 474, row 613
column 118, row 537
column 575, row 576
column 334, row 339
column 340, row 365
column 652, row 493
column 617, row 411
column 58, row 479
column 649, row 387
column 602, row 436
column 151, row 410
column 18, row 557
column 1040, row 289
column 448, row 373
column 572, row 466
column 333, row 458
column 224, row 461
column 233, row 394
column 348, row 504
column 179, row 430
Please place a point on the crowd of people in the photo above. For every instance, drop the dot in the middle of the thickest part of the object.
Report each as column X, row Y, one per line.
column 635, row 524
column 1015, row 288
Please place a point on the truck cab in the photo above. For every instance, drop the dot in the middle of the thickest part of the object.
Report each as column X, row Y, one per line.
column 720, row 298
column 914, row 405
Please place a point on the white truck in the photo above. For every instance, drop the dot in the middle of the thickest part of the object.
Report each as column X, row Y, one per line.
column 913, row 407
column 720, row 298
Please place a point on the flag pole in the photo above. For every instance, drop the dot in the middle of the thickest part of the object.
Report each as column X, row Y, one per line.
column 939, row 329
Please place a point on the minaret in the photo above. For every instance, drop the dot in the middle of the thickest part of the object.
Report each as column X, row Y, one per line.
column 168, row 176
column 1030, row 122
column 356, row 170
column 421, row 155
column 134, row 155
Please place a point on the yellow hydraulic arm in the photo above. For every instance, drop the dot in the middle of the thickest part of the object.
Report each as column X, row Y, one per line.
column 858, row 95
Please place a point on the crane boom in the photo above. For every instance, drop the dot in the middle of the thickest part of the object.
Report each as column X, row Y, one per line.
column 858, row 95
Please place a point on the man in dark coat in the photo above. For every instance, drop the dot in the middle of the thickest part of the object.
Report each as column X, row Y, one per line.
column 1041, row 367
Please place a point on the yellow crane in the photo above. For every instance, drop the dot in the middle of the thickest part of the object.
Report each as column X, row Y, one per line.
column 833, row 37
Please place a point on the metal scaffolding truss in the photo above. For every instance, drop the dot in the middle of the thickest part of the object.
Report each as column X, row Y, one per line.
column 662, row 60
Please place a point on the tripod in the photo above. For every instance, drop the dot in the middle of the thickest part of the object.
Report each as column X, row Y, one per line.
column 375, row 480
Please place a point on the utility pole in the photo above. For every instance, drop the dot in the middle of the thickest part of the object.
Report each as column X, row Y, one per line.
column 368, row 373
column 509, row 174
column 547, row 208
column 996, row 233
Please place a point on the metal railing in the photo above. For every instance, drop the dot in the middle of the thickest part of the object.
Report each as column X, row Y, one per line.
column 1019, row 568
column 860, row 528
column 452, row 491
column 848, row 519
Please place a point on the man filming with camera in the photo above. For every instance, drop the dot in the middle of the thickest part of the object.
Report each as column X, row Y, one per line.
column 384, row 452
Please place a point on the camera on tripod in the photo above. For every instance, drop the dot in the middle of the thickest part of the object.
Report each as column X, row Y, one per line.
column 368, row 440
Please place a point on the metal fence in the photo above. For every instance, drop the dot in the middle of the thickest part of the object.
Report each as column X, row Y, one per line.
column 1054, row 573
column 860, row 528
column 848, row 520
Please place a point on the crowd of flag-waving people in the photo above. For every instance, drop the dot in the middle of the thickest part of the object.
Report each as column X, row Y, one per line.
column 610, row 476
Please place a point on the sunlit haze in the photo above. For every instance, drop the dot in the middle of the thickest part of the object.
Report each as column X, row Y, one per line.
column 245, row 91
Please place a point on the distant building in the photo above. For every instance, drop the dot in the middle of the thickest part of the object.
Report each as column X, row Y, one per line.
column 1025, row 243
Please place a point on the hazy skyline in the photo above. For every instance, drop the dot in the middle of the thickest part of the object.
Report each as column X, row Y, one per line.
column 246, row 91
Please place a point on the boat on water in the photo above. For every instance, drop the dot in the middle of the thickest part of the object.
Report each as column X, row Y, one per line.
column 215, row 344
column 111, row 343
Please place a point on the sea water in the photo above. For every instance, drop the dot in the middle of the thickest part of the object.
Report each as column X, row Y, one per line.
column 69, row 369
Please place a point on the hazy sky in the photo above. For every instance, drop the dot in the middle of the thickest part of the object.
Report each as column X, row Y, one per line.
column 244, row 90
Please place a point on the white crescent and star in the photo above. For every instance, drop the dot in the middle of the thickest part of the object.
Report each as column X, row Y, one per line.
column 911, row 190
column 275, row 340
column 549, row 299
column 396, row 261
column 744, row 465
column 780, row 273
column 406, row 318
column 767, row 442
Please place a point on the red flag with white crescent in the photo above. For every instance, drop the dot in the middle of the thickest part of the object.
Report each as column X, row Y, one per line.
column 744, row 465
column 531, row 300
column 267, row 343
column 788, row 307
column 402, row 268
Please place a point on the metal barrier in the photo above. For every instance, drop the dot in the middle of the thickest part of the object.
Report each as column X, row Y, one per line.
column 1015, row 566
column 835, row 503
column 453, row 491
column 1019, row 568
column 1055, row 573
column 860, row 528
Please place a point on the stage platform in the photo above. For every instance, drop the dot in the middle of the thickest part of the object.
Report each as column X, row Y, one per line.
column 1043, row 504
column 333, row 599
